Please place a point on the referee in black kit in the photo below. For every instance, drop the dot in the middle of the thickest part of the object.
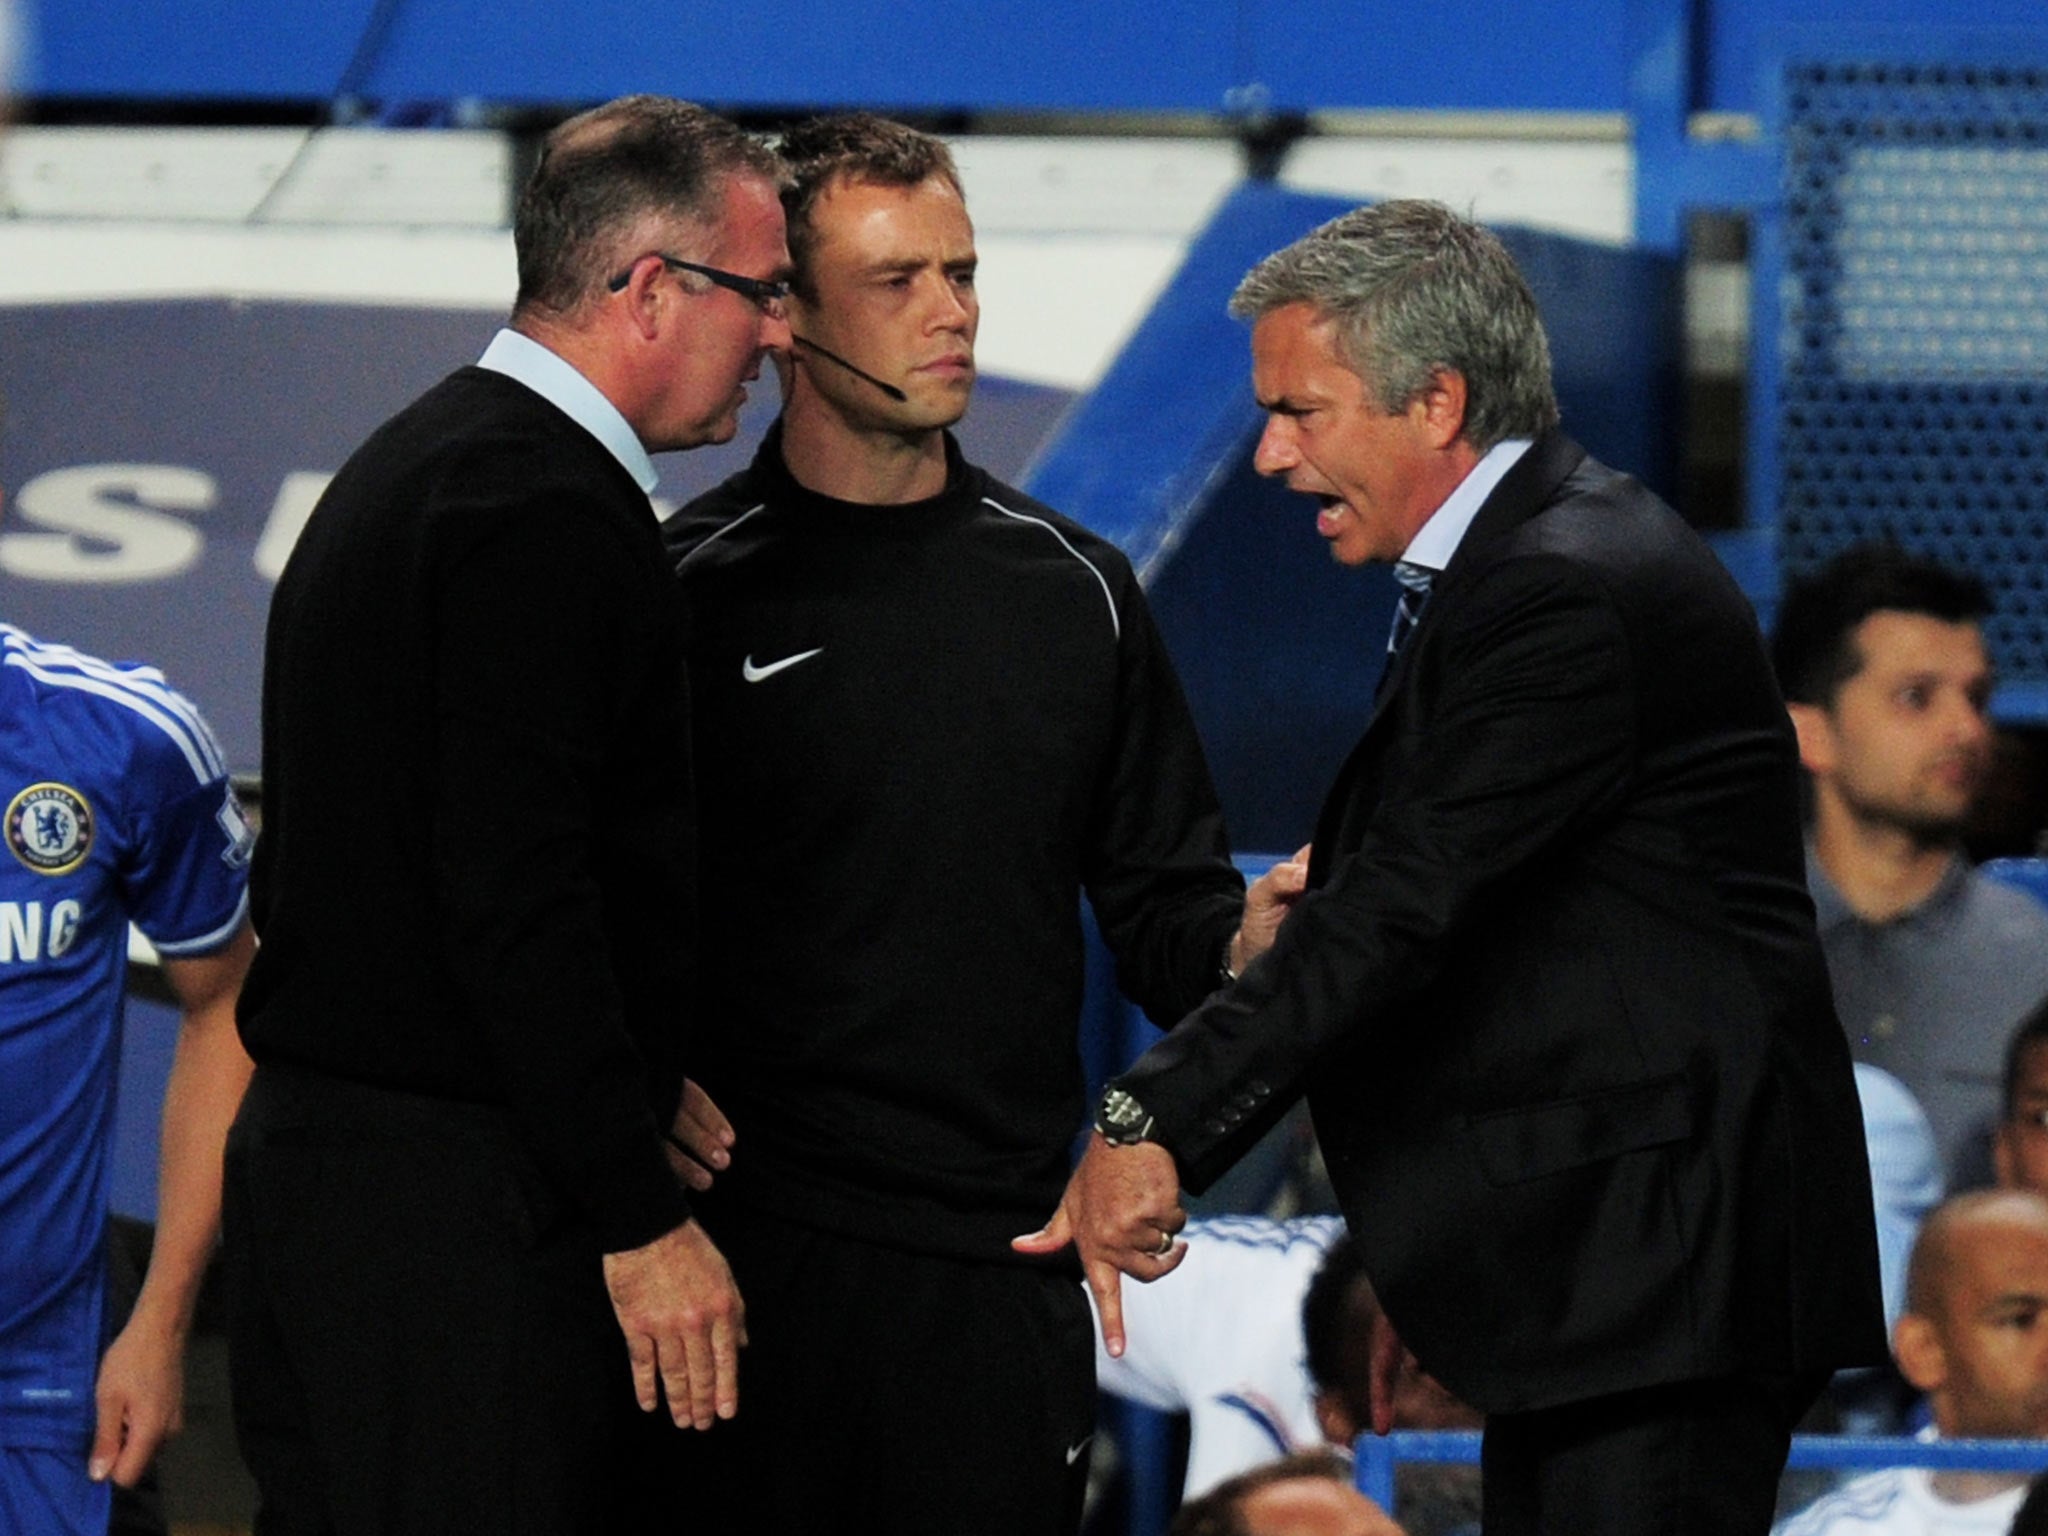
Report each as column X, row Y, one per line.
column 932, row 712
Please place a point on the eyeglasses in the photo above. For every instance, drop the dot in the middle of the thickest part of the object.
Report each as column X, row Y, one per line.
column 764, row 293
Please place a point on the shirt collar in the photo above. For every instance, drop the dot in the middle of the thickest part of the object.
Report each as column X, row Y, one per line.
column 1831, row 908
column 1439, row 537
column 556, row 381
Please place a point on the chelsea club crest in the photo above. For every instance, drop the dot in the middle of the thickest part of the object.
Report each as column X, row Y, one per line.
column 49, row 827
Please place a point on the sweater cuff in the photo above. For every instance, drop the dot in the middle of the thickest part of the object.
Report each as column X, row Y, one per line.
column 631, row 1194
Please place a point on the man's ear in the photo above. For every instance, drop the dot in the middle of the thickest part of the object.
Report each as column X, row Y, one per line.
column 643, row 298
column 1917, row 1347
column 1441, row 408
column 1816, row 733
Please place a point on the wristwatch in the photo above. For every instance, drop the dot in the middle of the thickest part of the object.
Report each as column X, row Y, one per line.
column 1228, row 977
column 1121, row 1119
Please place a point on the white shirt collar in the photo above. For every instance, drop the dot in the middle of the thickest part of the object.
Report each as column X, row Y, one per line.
column 1444, row 530
column 557, row 382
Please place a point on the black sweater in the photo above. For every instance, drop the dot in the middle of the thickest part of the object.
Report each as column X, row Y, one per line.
column 473, row 878
column 922, row 732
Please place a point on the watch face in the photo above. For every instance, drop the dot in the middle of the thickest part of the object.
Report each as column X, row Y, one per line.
column 1120, row 1109
column 1122, row 1118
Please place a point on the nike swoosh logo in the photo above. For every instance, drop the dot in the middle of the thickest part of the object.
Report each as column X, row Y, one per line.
column 754, row 674
column 1074, row 1451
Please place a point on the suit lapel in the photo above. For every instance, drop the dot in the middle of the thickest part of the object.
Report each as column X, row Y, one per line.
column 1526, row 489
column 1523, row 492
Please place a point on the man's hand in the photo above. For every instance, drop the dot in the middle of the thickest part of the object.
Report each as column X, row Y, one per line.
column 140, row 1394
column 141, row 1400
column 1121, row 1211
column 1266, row 905
column 684, row 1324
column 698, row 1138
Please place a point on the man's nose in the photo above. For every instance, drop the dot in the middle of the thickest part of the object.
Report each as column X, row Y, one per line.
column 1275, row 454
column 950, row 310
column 1973, row 726
column 1966, row 719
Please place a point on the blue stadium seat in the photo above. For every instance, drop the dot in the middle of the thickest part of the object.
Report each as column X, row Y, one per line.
column 2030, row 875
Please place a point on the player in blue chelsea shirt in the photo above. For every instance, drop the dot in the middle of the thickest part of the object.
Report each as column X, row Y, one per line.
column 114, row 808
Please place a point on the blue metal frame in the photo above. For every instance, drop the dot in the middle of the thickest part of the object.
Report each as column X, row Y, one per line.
column 1134, row 459
column 1376, row 1456
column 1780, row 48
column 1668, row 83
column 1224, row 57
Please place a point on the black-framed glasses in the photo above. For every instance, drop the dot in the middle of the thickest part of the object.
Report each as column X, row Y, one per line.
column 766, row 294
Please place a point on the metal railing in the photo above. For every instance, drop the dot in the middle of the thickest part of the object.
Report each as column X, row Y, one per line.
column 1377, row 1455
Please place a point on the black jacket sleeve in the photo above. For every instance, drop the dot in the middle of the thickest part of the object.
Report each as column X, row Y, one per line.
column 1159, row 875
column 1523, row 729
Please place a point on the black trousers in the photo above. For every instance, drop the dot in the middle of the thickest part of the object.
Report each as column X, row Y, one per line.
column 419, row 1337
column 1698, row 1458
column 891, row 1391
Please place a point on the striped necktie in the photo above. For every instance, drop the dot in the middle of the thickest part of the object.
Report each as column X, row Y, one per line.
column 1415, row 580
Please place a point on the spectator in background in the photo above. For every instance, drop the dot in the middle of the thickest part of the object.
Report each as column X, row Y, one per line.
column 117, row 809
column 1223, row 1340
column 2020, row 1150
column 458, row 1247
column 1344, row 1328
column 1974, row 1338
column 1264, row 1337
column 1905, row 1184
column 1905, row 1175
column 1306, row 1494
column 1881, row 657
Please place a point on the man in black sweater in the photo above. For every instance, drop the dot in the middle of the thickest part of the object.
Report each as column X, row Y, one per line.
column 457, row 1244
column 930, row 713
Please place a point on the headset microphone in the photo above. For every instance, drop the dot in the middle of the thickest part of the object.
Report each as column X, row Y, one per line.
column 858, row 372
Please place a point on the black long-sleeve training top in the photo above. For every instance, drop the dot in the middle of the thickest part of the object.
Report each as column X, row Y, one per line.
column 922, row 731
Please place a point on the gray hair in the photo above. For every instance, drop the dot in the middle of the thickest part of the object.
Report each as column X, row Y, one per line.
column 1414, row 290
column 605, row 171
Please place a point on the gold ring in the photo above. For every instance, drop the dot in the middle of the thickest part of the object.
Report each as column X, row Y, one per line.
column 1165, row 1245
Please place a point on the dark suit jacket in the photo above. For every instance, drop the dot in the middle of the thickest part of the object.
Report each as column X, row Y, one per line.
column 1555, row 993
